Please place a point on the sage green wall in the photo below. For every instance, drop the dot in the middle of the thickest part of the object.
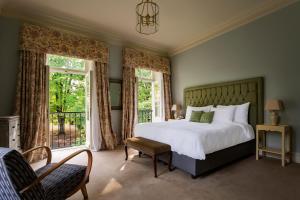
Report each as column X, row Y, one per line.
column 9, row 61
column 268, row 47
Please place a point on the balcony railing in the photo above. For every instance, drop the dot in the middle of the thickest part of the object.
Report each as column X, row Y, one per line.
column 144, row 116
column 67, row 129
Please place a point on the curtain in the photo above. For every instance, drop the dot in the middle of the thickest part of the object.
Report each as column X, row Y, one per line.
column 167, row 96
column 108, row 138
column 95, row 131
column 128, row 100
column 31, row 101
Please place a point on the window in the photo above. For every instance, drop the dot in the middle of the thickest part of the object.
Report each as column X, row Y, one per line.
column 149, row 89
column 68, row 100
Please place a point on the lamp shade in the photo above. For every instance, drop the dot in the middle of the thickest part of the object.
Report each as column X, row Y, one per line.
column 175, row 107
column 274, row 105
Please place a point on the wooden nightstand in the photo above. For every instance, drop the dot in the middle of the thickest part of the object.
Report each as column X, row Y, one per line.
column 284, row 152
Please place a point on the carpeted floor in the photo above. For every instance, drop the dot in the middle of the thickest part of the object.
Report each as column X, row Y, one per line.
column 114, row 179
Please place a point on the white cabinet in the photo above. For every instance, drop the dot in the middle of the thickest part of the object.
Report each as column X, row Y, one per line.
column 10, row 132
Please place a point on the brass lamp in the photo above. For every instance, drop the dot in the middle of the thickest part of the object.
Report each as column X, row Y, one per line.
column 274, row 106
column 176, row 109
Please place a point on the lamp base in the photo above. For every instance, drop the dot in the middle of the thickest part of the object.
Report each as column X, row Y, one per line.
column 275, row 119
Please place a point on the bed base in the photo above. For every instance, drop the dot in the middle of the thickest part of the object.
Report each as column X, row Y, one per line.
column 213, row 161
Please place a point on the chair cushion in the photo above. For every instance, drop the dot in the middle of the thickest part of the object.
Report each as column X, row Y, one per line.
column 62, row 181
column 147, row 146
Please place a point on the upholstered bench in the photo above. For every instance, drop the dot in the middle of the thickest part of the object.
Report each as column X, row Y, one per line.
column 149, row 147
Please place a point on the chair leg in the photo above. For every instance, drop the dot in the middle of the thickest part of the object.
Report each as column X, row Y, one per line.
column 126, row 152
column 140, row 153
column 84, row 192
column 154, row 158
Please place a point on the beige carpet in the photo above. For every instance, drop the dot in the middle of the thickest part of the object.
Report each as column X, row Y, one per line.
column 113, row 179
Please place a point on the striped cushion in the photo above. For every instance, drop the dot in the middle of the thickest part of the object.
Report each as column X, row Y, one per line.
column 62, row 181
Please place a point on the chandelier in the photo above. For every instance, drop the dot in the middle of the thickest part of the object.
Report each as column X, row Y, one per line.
column 147, row 17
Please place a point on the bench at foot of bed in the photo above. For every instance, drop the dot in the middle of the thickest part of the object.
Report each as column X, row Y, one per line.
column 151, row 148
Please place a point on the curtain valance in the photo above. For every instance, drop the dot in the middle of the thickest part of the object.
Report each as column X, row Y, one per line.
column 46, row 40
column 139, row 59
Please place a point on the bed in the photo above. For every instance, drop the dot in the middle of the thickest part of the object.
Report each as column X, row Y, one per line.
column 221, row 143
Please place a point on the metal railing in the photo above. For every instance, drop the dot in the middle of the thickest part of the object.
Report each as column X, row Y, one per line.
column 67, row 129
column 144, row 116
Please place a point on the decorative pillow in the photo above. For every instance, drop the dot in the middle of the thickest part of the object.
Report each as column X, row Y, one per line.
column 241, row 112
column 195, row 116
column 223, row 114
column 207, row 117
column 191, row 108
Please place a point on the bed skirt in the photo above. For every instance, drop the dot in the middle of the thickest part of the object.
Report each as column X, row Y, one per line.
column 214, row 160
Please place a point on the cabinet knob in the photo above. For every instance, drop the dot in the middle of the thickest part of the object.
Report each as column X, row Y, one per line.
column 13, row 139
column 13, row 127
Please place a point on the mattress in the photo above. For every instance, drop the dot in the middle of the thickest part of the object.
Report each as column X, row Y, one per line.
column 196, row 139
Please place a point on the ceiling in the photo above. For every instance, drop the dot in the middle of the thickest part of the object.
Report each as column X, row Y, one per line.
column 183, row 23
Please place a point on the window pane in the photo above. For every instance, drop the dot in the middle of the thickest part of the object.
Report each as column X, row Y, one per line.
column 143, row 73
column 144, row 95
column 65, row 62
column 66, row 92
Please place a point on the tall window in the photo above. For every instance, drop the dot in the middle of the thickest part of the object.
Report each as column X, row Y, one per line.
column 68, row 100
column 150, row 98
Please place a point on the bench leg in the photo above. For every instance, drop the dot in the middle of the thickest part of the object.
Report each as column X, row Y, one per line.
column 126, row 152
column 154, row 158
column 170, row 161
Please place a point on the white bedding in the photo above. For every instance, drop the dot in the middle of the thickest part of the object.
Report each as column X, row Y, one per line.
column 196, row 139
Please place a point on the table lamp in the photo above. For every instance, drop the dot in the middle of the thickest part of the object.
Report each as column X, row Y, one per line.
column 274, row 106
column 176, row 110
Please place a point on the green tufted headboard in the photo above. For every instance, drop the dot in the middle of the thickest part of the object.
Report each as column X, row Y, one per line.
column 230, row 93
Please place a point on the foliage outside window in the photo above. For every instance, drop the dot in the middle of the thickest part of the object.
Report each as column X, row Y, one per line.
column 66, row 92
column 65, row 62
column 144, row 89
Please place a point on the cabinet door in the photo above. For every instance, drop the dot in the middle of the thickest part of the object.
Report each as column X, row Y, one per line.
column 14, row 135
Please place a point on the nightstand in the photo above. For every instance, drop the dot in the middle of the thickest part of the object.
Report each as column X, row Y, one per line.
column 284, row 152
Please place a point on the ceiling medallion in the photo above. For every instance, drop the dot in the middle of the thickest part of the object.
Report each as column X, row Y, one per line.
column 147, row 17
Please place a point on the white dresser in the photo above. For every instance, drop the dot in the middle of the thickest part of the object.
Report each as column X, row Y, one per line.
column 10, row 132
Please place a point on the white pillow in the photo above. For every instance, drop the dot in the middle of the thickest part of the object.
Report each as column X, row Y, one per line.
column 223, row 114
column 241, row 112
column 189, row 110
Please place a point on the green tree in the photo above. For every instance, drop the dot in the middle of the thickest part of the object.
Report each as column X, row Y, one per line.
column 67, row 92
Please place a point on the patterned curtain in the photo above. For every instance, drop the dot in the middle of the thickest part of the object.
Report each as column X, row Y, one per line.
column 31, row 102
column 128, row 100
column 103, row 99
column 167, row 95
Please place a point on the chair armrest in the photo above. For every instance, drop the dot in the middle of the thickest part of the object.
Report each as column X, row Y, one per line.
column 57, row 165
column 48, row 150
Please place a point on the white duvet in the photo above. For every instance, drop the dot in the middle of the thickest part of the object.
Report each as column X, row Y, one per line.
column 195, row 139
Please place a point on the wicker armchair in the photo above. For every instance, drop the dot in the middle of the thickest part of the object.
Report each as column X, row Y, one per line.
column 55, row 181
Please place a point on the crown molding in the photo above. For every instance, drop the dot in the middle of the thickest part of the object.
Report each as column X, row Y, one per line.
column 234, row 23
column 81, row 27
